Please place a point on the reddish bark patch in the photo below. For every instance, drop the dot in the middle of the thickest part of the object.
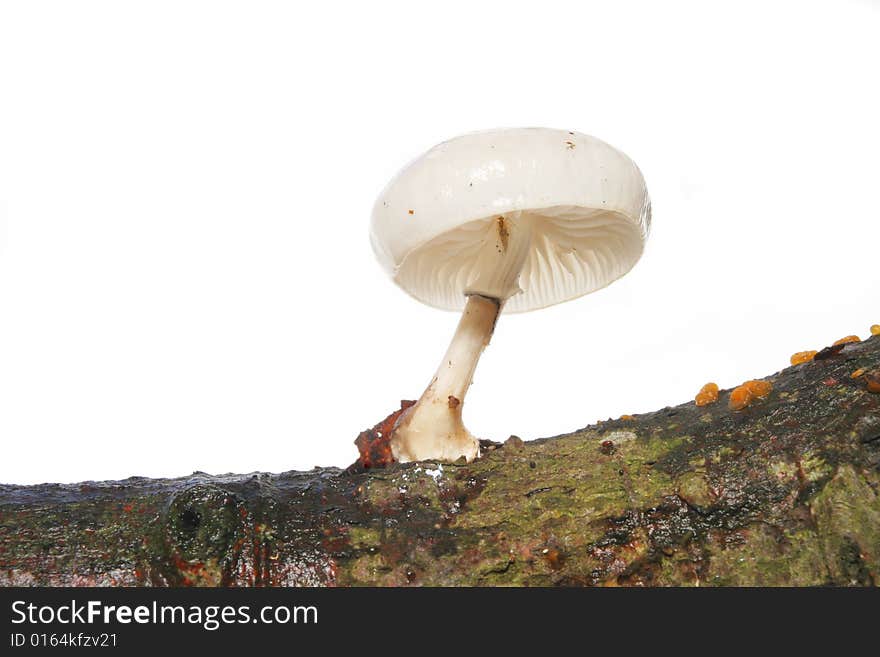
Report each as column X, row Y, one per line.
column 554, row 557
column 374, row 445
column 191, row 573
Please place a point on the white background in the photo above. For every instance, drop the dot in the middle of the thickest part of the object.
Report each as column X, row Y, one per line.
column 186, row 281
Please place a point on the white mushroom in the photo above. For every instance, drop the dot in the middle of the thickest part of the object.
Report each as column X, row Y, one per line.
column 514, row 219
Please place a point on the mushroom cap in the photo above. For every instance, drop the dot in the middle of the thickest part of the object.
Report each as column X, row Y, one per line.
column 588, row 204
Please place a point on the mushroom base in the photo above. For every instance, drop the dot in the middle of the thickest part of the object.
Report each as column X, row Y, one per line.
column 433, row 429
column 433, row 435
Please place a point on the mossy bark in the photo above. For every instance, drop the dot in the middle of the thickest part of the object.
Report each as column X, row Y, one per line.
column 784, row 492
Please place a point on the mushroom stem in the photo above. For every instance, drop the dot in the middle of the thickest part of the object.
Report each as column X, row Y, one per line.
column 433, row 429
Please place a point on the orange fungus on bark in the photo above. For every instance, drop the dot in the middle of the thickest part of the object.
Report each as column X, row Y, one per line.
column 758, row 388
column 740, row 397
column 708, row 394
column 802, row 357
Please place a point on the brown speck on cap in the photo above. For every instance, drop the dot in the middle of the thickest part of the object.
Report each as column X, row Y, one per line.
column 569, row 144
column 503, row 233
column 412, row 211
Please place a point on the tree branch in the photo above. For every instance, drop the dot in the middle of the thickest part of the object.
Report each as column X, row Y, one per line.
column 783, row 492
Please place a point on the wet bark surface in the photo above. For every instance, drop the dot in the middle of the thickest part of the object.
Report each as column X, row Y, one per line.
column 783, row 492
